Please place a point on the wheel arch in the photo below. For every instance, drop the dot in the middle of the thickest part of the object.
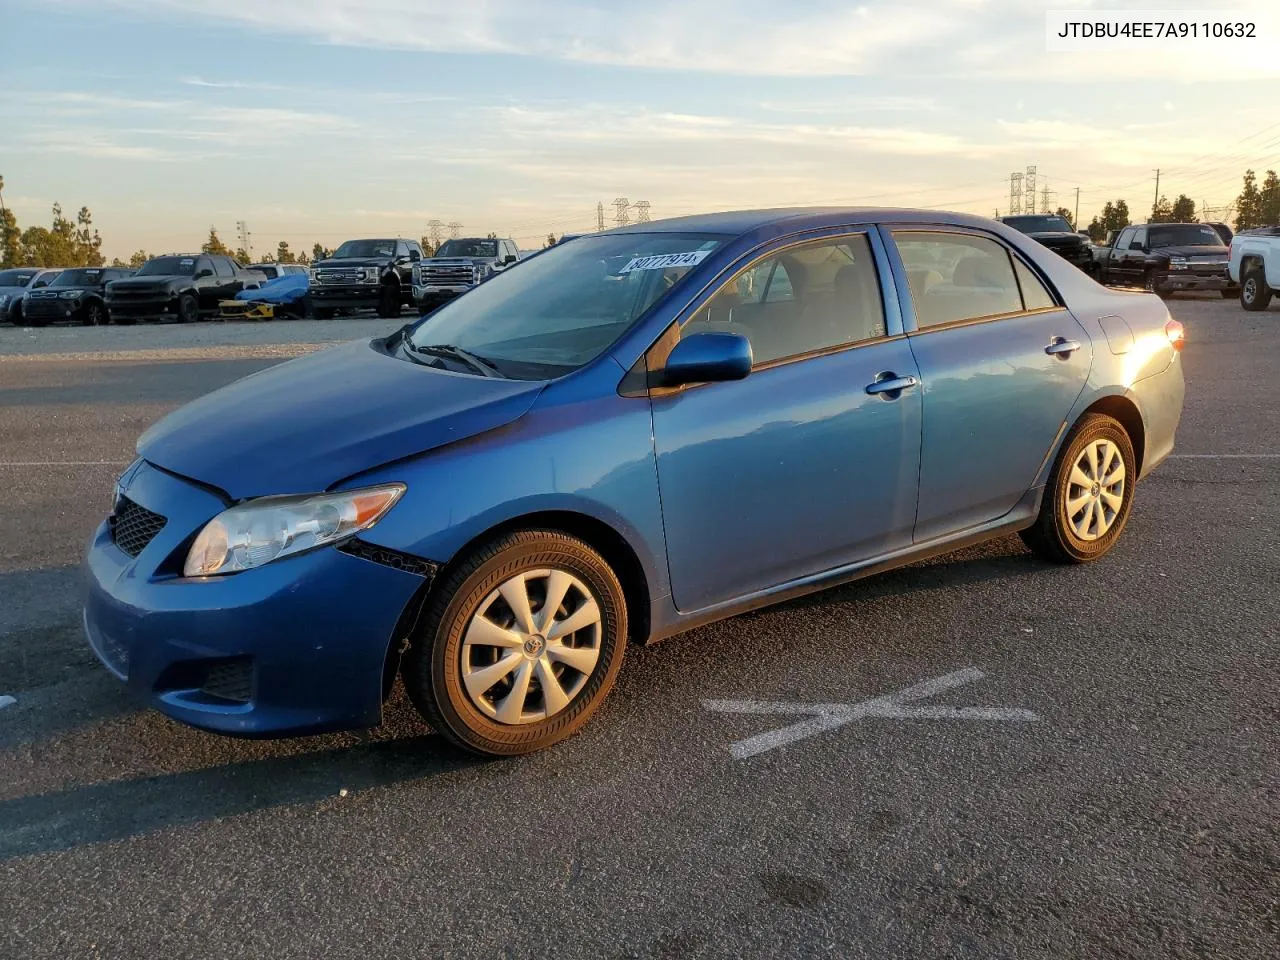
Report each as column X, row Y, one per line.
column 1124, row 410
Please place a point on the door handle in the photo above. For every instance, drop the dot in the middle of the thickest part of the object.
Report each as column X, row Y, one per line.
column 1062, row 347
column 888, row 383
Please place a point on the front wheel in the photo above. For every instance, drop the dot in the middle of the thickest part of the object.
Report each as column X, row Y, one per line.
column 94, row 315
column 389, row 302
column 188, row 309
column 521, row 644
column 1254, row 292
column 1089, row 495
column 1152, row 284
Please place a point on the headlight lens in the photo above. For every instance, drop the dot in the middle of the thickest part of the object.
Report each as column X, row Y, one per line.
column 372, row 274
column 71, row 294
column 257, row 532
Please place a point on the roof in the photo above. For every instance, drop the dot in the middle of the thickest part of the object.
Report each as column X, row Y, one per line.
column 797, row 218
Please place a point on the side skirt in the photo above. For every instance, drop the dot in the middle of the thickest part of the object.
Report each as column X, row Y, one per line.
column 1020, row 517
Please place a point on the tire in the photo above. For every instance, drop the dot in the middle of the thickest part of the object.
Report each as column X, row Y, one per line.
column 1254, row 292
column 93, row 315
column 389, row 302
column 470, row 714
column 1056, row 535
column 1151, row 282
column 188, row 308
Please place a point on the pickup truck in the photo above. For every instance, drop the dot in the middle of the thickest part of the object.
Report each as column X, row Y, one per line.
column 1054, row 232
column 179, row 287
column 1255, row 265
column 1165, row 258
column 376, row 274
column 458, row 266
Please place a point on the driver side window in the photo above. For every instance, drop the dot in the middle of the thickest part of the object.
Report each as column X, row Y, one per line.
column 807, row 298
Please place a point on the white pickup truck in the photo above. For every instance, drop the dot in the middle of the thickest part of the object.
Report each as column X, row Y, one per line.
column 1255, row 265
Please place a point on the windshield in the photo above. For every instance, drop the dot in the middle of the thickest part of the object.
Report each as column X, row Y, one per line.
column 468, row 248
column 1039, row 224
column 16, row 278
column 168, row 267
column 1184, row 235
column 78, row 278
column 565, row 307
column 366, row 248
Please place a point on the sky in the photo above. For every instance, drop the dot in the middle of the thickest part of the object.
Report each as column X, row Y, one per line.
column 320, row 120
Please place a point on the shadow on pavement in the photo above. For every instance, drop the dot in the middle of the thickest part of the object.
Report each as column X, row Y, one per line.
column 120, row 809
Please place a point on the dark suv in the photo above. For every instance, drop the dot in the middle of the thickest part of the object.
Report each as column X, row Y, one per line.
column 1052, row 231
column 178, row 287
column 375, row 274
column 78, row 294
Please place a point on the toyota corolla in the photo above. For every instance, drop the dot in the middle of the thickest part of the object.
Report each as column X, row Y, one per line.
column 634, row 433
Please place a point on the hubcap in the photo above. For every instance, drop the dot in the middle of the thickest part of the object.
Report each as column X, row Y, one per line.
column 531, row 646
column 1095, row 490
column 1250, row 288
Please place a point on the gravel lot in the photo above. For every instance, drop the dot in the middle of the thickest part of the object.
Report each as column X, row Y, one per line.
column 1134, row 817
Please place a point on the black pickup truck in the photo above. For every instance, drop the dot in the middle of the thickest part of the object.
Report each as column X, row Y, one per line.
column 1052, row 231
column 375, row 274
column 180, row 287
column 1166, row 258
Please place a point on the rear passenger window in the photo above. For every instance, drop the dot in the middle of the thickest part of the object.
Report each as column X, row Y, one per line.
column 1035, row 296
column 222, row 267
column 806, row 298
column 956, row 277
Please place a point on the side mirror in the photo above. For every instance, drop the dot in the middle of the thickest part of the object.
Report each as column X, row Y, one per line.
column 1135, row 245
column 414, row 256
column 707, row 358
column 510, row 258
column 201, row 274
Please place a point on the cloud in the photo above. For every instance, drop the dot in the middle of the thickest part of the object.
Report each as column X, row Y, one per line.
column 954, row 38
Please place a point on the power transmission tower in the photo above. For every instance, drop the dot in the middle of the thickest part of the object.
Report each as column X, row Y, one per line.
column 1045, row 194
column 642, row 211
column 1029, row 190
column 242, row 231
column 1015, row 194
column 599, row 215
column 622, row 215
column 455, row 229
column 435, row 230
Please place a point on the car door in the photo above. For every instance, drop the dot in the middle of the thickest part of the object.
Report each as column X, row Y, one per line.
column 1135, row 257
column 1001, row 362
column 230, row 280
column 207, row 282
column 810, row 462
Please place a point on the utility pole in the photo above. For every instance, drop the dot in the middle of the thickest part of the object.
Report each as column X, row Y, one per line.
column 1076, row 219
column 1156, row 202
column 599, row 216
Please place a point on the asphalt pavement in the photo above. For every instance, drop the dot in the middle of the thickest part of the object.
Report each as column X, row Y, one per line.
column 1115, row 793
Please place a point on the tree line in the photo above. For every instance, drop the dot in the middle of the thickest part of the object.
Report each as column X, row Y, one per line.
column 1255, row 206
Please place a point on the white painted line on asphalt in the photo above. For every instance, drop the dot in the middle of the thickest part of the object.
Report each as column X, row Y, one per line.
column 7, row 701
column 829, row 716
column 65, row 463
column 1224, row 456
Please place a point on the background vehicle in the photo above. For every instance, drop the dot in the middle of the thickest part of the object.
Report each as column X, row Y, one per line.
column 15, row 284
column 1167, row 257
column 273, row 271
column 1222, row 230
column 458, row 266
column 373, row 274
column 630, row 435
column 1255, row 265
column 77, row 294
column 1054, row 232
column 180, row 287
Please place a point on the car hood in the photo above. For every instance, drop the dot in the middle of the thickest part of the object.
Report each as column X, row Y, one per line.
column 1193, row 252
column 148, row 283
column 1060, row 236
column 302, row 426
column 352, row 262
column 459, row 260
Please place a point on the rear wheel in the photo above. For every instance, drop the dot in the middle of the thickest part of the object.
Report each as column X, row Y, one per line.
column 521, row 644
column 1254, row 292
column 1152, row 283
column 188, row 309
column 1089, row 496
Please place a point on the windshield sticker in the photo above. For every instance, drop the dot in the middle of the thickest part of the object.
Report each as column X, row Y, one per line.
column 186, row 260
column 665, row 261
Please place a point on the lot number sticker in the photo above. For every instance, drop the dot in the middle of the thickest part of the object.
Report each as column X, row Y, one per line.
column 665, row 261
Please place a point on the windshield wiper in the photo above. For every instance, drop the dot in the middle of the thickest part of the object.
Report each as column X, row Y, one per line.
column 478, row 364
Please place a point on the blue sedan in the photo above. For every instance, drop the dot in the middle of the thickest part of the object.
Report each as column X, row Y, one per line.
column 632, row 434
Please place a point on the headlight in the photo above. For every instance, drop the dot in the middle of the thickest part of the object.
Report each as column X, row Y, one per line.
column 1177, row 263
column 311, row 276
column 71, row 294
column 260, row 531
column 372, row 274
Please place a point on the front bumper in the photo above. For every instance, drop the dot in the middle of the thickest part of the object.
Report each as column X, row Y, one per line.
column 344, row 296
column 1179, row 280
column 140, row 308
column 437, row 295
column 297, row 646
column 54, row 309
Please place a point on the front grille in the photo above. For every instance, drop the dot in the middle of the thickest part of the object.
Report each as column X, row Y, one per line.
column 230, row 680
column 42, row 295
column 140, row 294
column 449, row 276
column 339, row 276
column 134, row 526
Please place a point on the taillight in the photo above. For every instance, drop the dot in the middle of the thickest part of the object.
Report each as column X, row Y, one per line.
column 1177, row 336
